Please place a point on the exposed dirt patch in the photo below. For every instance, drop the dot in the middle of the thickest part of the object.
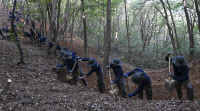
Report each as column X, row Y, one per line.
column 36, row 86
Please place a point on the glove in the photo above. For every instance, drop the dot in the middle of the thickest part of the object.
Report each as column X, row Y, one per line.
column 80, row 78
column 112, row 83
column 169, row 53
column 130, row 95
column 58, row 66
column 70, row 71
column 170, row 74
column 108, row 67
column 78, row 58
column 125, row 75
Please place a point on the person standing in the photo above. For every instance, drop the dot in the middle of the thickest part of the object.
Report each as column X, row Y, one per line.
column 181, row 76
column 119, row 79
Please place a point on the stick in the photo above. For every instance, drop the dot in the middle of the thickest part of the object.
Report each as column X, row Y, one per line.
column 127, row 85
column 110, row 79
column 169, row 65
column 72, row 69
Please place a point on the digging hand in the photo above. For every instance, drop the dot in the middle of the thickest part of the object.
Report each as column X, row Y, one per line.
column 108, row 67
column 70, row 71
column 170, row 74
column 169, row 53
column 125, row 75
column 78, row 59
column 130, row 95
column 112, row 83
column 82, row 77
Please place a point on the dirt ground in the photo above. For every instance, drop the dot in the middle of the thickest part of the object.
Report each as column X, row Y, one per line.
column 35, row 86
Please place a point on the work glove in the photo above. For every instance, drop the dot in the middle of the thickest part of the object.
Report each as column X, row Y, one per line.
column 130, row 95
column 80, row 78
column 58, row 66
column 112, row 82
column 169, row 53
column 78, row 59
column 108, row 67
column 125, row 75
column 70, row 71
column 170, row 74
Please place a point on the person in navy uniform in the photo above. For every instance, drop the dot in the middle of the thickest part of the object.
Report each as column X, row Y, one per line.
column 119, row 79
column 181, row 76
column 95, row 67
column 143, row 81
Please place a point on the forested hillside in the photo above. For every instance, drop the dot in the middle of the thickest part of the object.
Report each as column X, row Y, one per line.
column 140, row 33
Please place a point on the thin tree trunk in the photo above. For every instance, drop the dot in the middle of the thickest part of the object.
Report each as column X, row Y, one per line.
column 198, row 14
column 108, row 38
column 190, row 30
column 127, row 27
column 174, row 25
column 84, row 29
column 15, row 34
column 52, row 24
column 170, row 31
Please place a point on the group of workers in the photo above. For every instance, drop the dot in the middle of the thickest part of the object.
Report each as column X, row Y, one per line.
column 139, row 77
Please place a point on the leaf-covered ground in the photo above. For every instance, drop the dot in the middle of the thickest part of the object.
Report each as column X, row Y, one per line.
column 35, row 87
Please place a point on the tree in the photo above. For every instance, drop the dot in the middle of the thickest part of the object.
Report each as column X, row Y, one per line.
column 84, row 29
column 15, row 34
column 170, row 30
column 108, row 38
column 198, row 13
column 190, row 27
column 127, row 27
column 52, row 24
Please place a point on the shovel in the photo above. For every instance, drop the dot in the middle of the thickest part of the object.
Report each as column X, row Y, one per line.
column 127, row 85
column 113, row 92
column 69, row 77
column 169, row 84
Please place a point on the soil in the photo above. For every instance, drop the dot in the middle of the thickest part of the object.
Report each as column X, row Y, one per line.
column 36, row 86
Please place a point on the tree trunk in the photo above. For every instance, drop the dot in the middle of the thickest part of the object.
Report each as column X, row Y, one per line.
column 190, row 30
column 127, row 28
column 170, row 31
column 15, row 34
column 84, row 29
column 174, row 25
column 52, row 24
column 198, row 14
column 58, row 24
column 108, row 38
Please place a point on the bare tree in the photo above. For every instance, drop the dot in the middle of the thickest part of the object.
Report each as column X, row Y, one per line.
column 15, row 34
column 170, row 30
column 108, row 38
column 127, row 27
column 190, row 27
column 84, row 29
column 52, row 24
column 198, row 13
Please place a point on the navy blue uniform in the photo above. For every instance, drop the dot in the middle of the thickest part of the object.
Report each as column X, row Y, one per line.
column 99, row 73
column 119, row 79
column 145, row 85
column 182, row 79
column 69, row 63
